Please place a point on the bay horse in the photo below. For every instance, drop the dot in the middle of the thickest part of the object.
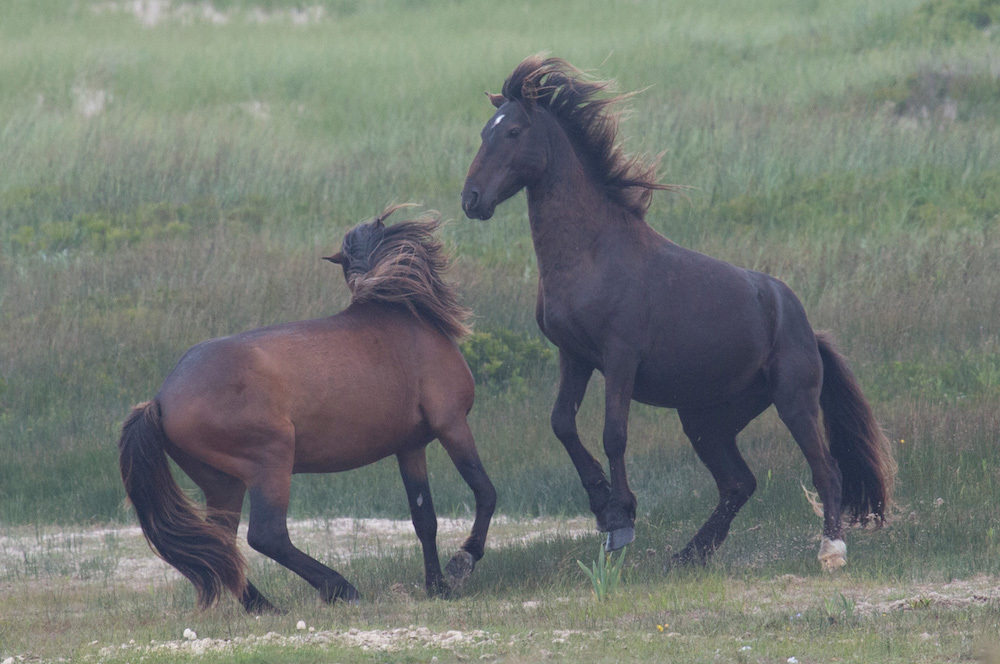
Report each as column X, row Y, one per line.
column 666, row 326
column 241, row 414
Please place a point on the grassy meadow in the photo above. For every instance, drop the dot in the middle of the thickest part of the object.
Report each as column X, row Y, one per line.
column 172, row 172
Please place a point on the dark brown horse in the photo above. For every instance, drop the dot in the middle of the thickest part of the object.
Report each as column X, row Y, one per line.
column 242, row 413
column 665, row 325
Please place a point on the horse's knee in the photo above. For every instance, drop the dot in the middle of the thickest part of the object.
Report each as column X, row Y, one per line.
column 563, row 422
column 615, row 438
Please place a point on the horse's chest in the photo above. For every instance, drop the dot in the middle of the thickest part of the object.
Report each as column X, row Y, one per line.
column 572, row 328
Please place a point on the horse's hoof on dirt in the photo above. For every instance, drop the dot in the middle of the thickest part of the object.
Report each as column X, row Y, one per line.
column 619, row 538
column 832, row 554
column 459, row 568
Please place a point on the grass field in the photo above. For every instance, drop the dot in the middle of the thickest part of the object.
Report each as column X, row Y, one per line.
column 173, row 172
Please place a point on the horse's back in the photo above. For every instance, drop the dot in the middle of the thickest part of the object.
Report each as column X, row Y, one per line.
column 321, row 395
column 704, row 330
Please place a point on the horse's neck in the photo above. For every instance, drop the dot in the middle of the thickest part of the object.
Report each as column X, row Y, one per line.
column 564, row 208
column 568, row 213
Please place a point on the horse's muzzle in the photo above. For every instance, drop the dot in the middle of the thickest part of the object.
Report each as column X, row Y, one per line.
column 472, row 205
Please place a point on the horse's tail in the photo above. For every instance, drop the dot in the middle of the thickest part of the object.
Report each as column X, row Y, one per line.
column 857, row 442
column 204, row 552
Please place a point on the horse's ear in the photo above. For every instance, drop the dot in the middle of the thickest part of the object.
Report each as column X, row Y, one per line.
column 337, row 258
column 497, row 100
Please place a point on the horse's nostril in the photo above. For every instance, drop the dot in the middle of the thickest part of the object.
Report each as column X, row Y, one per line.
column 471, row 198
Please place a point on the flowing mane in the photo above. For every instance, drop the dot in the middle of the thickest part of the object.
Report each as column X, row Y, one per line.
column 564, row 91
column 403, row 264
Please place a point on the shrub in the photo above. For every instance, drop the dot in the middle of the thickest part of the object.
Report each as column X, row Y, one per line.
column 502, row 358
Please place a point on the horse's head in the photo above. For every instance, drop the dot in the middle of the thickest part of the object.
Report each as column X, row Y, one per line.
column 512, row 156
column 360, row 243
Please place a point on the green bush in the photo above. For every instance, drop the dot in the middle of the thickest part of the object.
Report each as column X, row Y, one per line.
column 503, row 358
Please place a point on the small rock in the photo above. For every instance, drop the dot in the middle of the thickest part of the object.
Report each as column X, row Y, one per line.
column 190, row 634
column 300, row 625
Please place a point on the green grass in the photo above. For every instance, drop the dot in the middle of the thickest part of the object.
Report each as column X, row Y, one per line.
column 849, row 149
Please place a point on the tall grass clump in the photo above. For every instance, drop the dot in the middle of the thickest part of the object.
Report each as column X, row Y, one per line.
column 605, row 574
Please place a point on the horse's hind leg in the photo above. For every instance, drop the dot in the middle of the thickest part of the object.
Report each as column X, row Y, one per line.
column 224, row 501
column 713, row 435
column 225, row 505
column 461, row 447
column 413, row 469
column 268, row 534
column 797, row 382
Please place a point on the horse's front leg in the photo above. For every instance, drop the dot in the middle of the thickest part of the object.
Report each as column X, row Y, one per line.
column 573, row 378
column 413, row 469
column 619, row 515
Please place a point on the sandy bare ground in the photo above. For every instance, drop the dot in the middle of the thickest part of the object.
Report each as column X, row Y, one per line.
column 85, row 556
column 91, row 555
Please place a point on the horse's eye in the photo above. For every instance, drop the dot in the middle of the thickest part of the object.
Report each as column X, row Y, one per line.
column 513, row 132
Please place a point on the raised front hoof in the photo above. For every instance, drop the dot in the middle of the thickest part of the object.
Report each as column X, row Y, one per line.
column 832, row 554
column 459, row 569
column 619, row 538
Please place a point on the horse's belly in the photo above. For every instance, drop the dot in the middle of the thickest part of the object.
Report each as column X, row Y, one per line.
column 695, row 385
column 338, row 448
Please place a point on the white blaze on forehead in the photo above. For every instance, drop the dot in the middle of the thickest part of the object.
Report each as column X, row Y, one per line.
column 497, row 119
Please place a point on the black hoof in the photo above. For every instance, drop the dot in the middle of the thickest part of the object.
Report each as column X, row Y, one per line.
column 263, row 608
column 459, row 568
column 347, row 594
column 689, row 556
column 619, row 538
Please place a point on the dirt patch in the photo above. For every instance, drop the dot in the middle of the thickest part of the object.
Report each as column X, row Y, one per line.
column 95, row 555
column 842, row 595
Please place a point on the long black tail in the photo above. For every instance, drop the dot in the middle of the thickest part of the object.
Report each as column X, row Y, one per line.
column 857, row 442
column 202, row 551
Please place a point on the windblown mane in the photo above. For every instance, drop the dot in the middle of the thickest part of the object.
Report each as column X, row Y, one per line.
column 564, row 91
column 403, row 264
